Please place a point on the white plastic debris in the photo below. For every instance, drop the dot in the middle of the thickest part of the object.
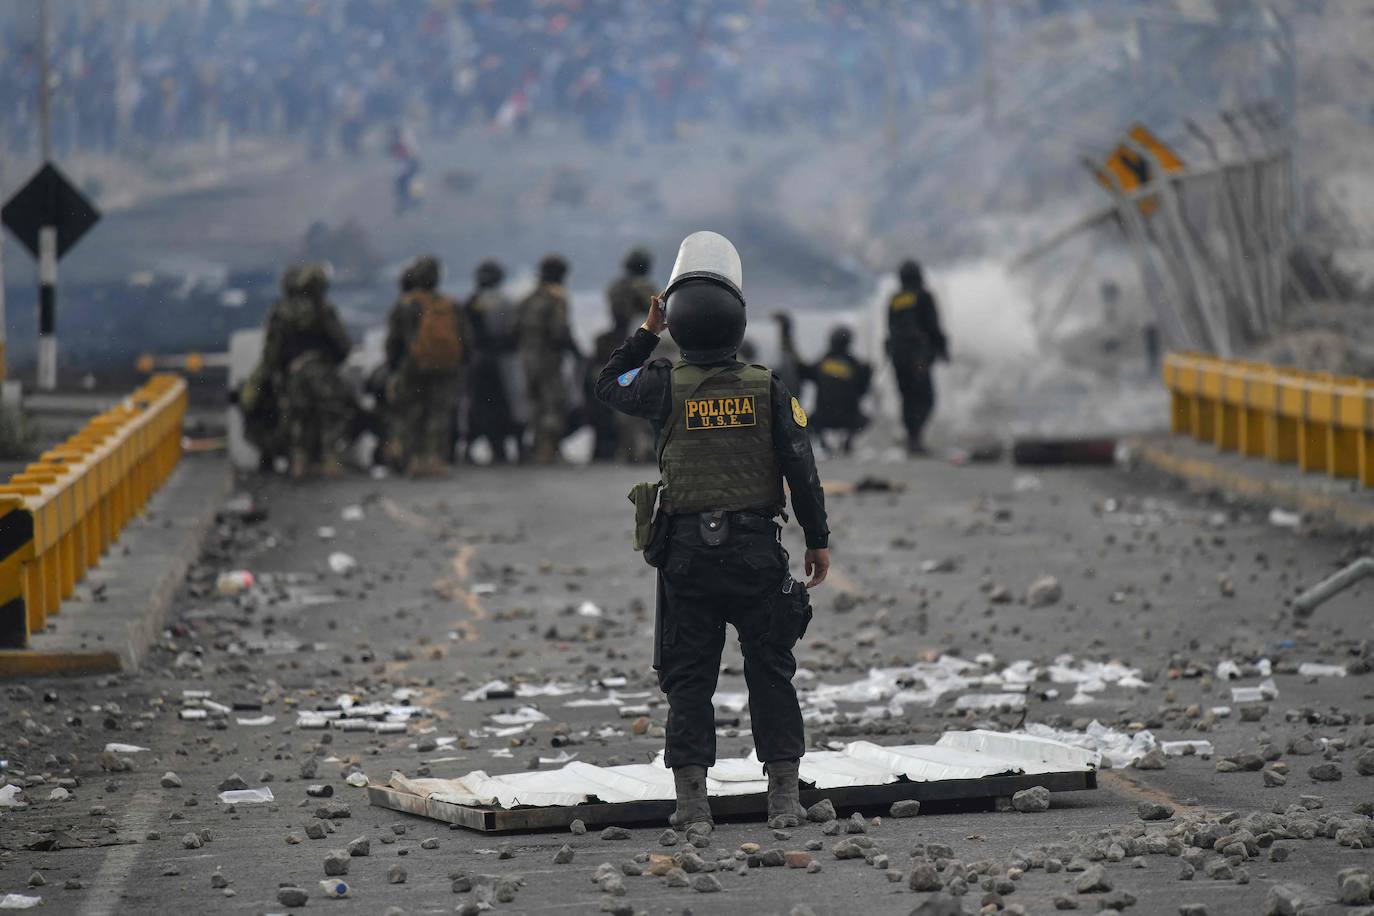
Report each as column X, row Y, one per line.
column 1228, row 670
column 1280, row 518
column 257, row 720
column 1116, row 747
column 9, row 797
column 334, row 888
column 247, row 796
column 990, row 701
column 341, row 563
column 1266, row 691
column 357, row 780
column 18, row 902
column 114, row 747
column 326, row 532
column 1180, row 748
column 484, row 588
column 1315, row 669
column 522, row 716
column 59, row 794
column 190, row 715
column 352, row 513
column 233, row 582
column 589, row 609
column 1221, row 712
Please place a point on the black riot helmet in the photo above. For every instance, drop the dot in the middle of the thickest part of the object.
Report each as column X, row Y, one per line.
column 840, row 340
column 705, row 299
column 910, row 275
column 638, row 261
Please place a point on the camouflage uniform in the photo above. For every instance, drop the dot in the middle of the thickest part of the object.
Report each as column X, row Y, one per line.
column 305, row 343
column 629, row 299
column 424, row 403
column 544, row 337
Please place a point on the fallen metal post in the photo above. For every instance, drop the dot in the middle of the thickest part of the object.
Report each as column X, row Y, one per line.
column 1308, row 601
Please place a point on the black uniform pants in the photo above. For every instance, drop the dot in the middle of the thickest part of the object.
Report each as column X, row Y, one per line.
column 737, row 582
column 918, row 395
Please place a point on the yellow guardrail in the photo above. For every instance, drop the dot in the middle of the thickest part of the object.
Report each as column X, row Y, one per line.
column 1322, row 422
column 61, row 513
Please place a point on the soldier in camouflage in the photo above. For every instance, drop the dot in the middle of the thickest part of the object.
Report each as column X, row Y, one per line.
column 426, row 337
column 305, row 343
column 545, row 336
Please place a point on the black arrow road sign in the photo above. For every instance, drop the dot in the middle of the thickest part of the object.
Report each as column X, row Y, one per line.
column 49, row 199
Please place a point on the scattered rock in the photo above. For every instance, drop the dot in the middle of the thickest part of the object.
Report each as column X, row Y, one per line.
column 821, row 812
column 336, row 863
column 171, row 780
column 429, row 843
column 907, row 807
column 1032, row 800
column 924, row 877
column 291, row 896
column 706, row 884
column 361, row 846
column 233, row 783
column 396, row 874
column 1044, row 592
column 1364, row 764
column 1325, row 772
column 1154, row 811
column 192, row 841
column 1153, row 759
column 797, row 858
column 1093, row 881
column 1284, row 900
column 941, row 904
column 615, row 833
column 577, row 827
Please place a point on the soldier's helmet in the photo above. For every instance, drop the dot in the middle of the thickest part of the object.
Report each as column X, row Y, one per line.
column 314, row 278
column 553, row 268
column 407, row 279
column 291, row 279
column 910, row 275
column 705, row 298
column 638, row 261
column 489, row 274
column 426, row 269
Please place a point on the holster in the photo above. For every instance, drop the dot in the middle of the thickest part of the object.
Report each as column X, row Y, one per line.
column 789, row 613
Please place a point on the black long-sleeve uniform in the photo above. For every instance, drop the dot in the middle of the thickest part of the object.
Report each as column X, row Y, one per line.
column 746, row 584
column 648, row 393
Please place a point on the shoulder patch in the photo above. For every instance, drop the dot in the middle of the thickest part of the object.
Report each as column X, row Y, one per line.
column 798, row 414
column 626, row 379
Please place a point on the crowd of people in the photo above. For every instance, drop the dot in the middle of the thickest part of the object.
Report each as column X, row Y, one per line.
column 127, row 74
column 490, row 370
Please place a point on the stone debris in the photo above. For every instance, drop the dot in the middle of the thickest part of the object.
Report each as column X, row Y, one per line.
column 361, row 846
column 564, row 856
column 396, row 874
column 907, row 807
column 1032, row 800
column 615, row 833
column 171, row 780
column 1093, row 881
column 1044, row 592
column 292, row 896
column 821, row 812
column 1154, row 811
column 336, row 862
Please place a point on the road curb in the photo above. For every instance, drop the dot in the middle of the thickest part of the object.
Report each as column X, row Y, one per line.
column 120, row 608
column 1297, row 494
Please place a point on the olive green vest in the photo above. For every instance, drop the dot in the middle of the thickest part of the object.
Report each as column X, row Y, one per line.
column 716, row 451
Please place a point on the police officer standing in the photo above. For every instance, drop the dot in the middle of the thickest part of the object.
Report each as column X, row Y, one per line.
column 915, row 341
column 728, row 434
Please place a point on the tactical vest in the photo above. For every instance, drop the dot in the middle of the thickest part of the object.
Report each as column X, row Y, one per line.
column 717, row 448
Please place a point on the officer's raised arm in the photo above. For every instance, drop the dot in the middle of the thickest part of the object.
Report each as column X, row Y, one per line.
column 628, row 385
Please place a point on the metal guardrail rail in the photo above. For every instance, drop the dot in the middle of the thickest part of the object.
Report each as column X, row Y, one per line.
column 1324, row 423
column 61, row 513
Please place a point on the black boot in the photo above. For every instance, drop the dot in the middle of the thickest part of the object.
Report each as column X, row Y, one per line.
column 693, row 812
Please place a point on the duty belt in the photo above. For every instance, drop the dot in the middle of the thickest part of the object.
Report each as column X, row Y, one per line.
column 744, row 520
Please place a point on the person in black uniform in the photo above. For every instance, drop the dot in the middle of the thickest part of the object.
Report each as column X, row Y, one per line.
column 727, row 436
column 841, row 381
column 915, row 341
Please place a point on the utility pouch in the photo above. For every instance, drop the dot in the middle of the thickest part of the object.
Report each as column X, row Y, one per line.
column 715, row 528
column 645, row 499
column 789, row 613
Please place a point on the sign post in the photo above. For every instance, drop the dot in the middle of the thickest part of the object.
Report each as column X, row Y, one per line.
column 48, row 216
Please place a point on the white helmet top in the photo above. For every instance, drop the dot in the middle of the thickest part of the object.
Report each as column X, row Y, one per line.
column 708, row 255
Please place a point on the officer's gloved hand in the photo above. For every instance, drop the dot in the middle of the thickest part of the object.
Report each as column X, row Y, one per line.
column 817, row 566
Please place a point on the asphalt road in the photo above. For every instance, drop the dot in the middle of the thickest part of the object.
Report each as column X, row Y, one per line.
column 485, row 576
